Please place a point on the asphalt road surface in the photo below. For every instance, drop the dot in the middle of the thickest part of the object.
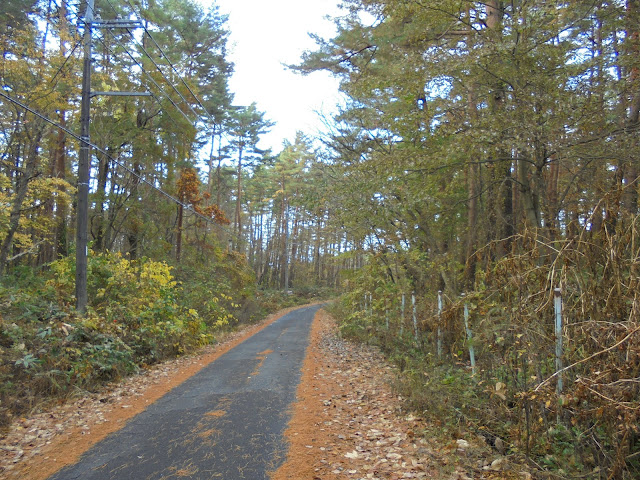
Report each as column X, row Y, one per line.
column 226, row 422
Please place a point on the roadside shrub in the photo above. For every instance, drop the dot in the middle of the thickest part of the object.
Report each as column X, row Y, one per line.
column 590, row 427
column 140, row 312
column 136, row 316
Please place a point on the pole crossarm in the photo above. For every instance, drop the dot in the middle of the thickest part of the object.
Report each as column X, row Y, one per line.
column 117, row 24
column 121, row 94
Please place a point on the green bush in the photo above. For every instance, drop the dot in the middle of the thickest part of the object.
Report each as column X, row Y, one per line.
column 138, row 314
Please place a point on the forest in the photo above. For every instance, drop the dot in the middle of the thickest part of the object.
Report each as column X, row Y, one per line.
column 192, row 229
column 473, row 208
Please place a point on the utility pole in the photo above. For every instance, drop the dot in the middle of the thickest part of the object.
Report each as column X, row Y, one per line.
column 82, row 209
column 84, row 158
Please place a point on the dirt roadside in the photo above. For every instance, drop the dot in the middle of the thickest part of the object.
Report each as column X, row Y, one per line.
column 39, row 445
column 346, row 423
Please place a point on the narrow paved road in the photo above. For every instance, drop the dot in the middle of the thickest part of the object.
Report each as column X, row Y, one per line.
column 225, row 422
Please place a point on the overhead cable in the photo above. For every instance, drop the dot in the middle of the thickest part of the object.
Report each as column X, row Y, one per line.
column 175, row 89
column 168, row 60
column 144, row 71
column 141, row 45
column 116, row 161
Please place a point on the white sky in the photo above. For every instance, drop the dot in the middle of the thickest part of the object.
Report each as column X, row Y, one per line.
column 264, row 35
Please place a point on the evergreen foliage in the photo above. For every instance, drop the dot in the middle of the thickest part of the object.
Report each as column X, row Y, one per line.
column 484, row 148
column 489, row 149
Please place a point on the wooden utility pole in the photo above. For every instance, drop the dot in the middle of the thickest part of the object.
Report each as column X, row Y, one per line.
column 84, row 158
column 82, row 210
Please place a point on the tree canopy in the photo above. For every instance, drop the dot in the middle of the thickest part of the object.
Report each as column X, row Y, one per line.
column 483, row 148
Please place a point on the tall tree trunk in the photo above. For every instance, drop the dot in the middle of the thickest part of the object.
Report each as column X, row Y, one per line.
column 62, row 207
column 179, row 233
column 527, row 194
column 294, row 246
column 210, row 162
column 219, row 173
column 317, row 261
column 285, row 250
column 101, row 194
column 473, row 188
column 22, row 180
column 238, row 216
column 502, row 178
column 57, row 208
column 552, row 197
column 472, row 224
column 133, row 235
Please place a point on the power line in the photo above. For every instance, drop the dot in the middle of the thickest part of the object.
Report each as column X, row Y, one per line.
column 164, row 55
column 146, row 30
column 162, row 109
column 168, row 60
column 114, row 160
column 49, row 21
column 141, row 45
column 110, row 50
column 113, row 8
column 66, row 60
column 148, row 75
column 175, row 70
column 169, row 82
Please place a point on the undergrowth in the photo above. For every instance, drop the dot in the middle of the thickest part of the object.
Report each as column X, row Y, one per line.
column 140, row 312
column 590, row 427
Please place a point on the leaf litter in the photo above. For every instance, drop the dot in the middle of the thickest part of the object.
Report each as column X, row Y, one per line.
column 346, row 424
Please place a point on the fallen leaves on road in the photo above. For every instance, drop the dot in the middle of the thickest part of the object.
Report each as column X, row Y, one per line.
column 37, row 446
column 348, row 424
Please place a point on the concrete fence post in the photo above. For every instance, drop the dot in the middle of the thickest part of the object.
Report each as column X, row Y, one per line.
column 472, row 354
column 439, row 337
column 386, row 313
column 557, row 304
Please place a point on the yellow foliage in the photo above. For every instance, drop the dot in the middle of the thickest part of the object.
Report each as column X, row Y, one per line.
column 157, row 274
column 37, row 223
